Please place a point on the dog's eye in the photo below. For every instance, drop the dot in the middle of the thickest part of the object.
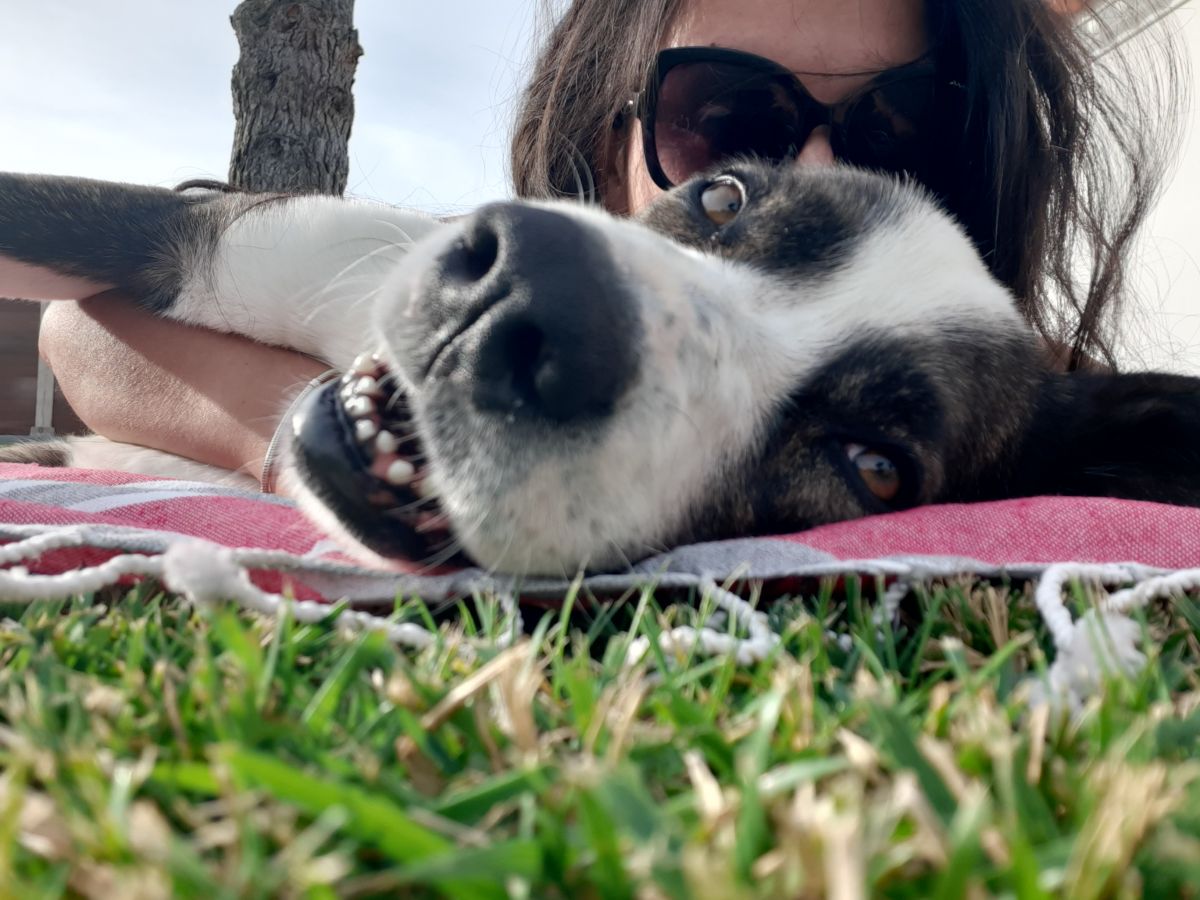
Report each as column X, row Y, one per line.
column 880, row 475
column 723, row 200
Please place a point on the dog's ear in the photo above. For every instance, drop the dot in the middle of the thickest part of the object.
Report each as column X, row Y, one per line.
column 68, row 238
column 1135, row 436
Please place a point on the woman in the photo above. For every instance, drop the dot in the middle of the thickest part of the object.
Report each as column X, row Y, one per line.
column 1045, row 162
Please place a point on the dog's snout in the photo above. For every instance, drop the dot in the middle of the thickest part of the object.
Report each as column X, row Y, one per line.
column 472, row 259
column 549, row 329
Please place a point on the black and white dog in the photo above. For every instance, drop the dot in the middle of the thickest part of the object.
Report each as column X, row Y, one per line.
column 546, row 387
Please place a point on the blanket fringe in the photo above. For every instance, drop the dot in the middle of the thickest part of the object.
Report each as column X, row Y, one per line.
column 707, row 640
column 1101, row 643
column 203, row 572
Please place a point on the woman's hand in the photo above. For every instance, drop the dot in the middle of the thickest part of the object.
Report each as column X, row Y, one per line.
column 134, row 377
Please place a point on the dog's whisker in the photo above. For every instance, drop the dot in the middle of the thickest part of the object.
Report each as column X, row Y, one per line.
column 341, row 280
column 455, row 544
column 370, row 239
column 504, row 552
column 336, row 279
column 395, row 227
column 352, row 304
column 674, row 407
column 615, row 546
column 443, row 555
column 464, row 532
column 351, row 301
column 396, row 397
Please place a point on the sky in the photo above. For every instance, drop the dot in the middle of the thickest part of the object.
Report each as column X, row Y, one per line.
column 1163, row 328
column 138, row 90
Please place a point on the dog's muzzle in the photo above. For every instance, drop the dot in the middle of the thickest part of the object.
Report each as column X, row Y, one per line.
column 515, row 338
column 527, row 311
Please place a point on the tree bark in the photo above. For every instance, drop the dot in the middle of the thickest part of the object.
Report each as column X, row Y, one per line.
column 292, row 95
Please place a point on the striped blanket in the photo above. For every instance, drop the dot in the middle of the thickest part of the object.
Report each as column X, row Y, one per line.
column 109, row 513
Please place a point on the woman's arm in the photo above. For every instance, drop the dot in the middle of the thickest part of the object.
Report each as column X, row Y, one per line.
column 134, row 377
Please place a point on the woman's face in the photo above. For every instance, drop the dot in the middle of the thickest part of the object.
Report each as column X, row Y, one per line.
column 833, row 37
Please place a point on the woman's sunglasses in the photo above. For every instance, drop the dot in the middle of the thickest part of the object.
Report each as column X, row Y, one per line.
column 705, row 104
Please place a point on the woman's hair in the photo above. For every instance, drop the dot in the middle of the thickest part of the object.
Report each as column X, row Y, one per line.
column 1064, row 145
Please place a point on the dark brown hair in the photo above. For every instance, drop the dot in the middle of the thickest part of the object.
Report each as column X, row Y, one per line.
column 1063, row 145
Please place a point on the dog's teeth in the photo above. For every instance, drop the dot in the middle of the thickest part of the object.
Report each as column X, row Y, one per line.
column 365, row 364
column 367, row 387
column 423, row 489
column 386, row 442
column 360, row 407
column 399, row 472
column 365, row 429
column 432, row 522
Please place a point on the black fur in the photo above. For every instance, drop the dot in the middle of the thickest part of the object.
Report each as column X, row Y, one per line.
column 789, row 224
column 52, row 454
column 118, row 235
column 1133, row 435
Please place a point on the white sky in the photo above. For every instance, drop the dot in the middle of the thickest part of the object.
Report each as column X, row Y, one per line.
column 138, row 90
column 1163, row 330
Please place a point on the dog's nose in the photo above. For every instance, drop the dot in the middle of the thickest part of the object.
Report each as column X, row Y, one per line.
column 558, row 332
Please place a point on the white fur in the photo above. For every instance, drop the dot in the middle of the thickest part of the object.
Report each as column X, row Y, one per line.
column 95, row 452
column 685, row 422
column 300, row 273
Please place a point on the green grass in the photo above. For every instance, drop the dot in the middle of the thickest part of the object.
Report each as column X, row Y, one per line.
column 151, row 750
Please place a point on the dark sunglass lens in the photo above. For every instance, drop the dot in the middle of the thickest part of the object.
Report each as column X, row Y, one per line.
column 891, row 127
column 707, row 112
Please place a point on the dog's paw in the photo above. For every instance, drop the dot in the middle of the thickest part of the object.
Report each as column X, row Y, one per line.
column 53, row 454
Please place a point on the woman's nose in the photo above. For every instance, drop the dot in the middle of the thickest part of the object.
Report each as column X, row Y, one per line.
column 817, row 150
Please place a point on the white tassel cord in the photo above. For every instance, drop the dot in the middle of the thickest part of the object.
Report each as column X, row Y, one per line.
column 203, row 572
column 707, row 640
column 33, row 547
column 208, row 574
column 1102, row 642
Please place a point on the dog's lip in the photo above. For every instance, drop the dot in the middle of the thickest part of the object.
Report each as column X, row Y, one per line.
column 392, row 520
column 455, row 335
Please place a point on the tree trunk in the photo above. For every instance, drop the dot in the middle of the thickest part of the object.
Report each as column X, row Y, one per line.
column 292, row 95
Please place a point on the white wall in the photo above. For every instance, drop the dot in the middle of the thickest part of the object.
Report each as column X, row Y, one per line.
column 1162, row 329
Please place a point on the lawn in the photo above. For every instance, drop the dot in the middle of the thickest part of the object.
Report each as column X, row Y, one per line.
column 153, row 750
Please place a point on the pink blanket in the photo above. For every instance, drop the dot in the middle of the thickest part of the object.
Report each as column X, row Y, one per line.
column 119, row 513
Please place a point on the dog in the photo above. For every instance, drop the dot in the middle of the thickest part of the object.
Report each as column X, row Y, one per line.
column 546, row 388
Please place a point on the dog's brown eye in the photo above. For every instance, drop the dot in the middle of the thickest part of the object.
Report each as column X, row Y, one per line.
column 723, row 200
column 878, row 473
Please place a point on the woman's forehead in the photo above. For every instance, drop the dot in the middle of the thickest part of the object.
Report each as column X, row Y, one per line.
column 818, row 36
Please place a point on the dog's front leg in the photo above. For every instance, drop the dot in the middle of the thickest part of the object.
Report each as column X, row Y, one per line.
column 301, row 272
column 296, row 272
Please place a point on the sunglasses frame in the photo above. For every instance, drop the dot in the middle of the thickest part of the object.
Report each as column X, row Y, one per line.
column 645, row 104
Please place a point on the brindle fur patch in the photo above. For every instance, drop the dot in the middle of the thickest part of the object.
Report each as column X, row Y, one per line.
column 52, row 454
